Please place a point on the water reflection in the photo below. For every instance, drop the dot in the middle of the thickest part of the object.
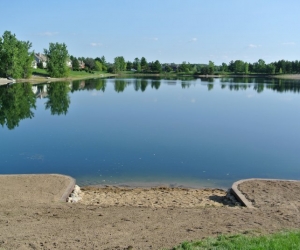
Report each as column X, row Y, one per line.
column 58, row 98
column 16, row 104
column 17, row 101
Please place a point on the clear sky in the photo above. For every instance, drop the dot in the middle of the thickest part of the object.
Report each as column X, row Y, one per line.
column 195, row 31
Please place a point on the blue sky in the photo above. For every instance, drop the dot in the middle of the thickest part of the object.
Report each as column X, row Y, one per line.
column 195, row 31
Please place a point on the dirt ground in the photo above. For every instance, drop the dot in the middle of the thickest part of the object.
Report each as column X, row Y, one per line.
column 139, row 218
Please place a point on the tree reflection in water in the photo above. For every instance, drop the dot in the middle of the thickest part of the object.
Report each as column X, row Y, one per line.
column 18, row 100
column 58, row 98
column 16, row 104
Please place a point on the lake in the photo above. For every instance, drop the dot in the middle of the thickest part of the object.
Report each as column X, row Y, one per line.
column 147, row 131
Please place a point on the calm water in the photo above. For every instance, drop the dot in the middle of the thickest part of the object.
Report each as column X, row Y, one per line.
column 194, row 132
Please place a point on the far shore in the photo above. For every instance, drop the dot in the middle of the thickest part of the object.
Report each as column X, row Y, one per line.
column 39, row 79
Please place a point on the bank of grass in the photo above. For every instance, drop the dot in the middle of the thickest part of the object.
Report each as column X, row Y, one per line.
column 72, row 74
column 41, row 76
column 278, row 241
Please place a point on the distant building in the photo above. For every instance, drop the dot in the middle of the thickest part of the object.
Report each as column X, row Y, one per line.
column 69, row 63
column 39, row 58
column 81, row 64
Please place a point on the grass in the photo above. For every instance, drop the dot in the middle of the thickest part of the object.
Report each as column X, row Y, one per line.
column 40, row 72
column 72, row 74
column 282, row 240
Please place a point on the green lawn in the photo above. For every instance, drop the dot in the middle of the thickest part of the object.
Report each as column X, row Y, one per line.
column 278, row 241
column 72, row 74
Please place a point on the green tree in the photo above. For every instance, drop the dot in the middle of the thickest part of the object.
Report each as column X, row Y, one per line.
column 246, row 68
column 144, row 64
column 239, row 66
column 224, row 67
column 104, row 63
column 57, row 56
column 167, row 68
column 137, row 64
column 89, row 63
column 211, row 68
column 119, row 64
column 260, row 66
column 15, row 58
column 58, row 98
column 128, row 65
column 75, row 63
column 156, row 66
column 184, row 67
column 98, row 66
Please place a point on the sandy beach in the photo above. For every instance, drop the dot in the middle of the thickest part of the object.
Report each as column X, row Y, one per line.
column 33, row 217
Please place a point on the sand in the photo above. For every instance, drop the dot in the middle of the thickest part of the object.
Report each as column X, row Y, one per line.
column 140, row 218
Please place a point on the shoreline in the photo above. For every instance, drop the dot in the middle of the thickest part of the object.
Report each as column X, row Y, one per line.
column 38, row 79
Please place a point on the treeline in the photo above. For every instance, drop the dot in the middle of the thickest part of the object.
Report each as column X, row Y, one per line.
column 16, row 60
column 233, row 67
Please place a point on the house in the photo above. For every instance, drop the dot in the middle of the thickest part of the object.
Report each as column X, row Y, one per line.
column 69, row 63
column 40, row 58
column 34, row 64
column 81, row 64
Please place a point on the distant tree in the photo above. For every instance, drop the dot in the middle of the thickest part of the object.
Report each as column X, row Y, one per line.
column 224, row 67
column 167, row 68
column 75, row 63
column 204, row 70
column 260, row 66
column 103, row 60
column 239, row 66
column 128, row 65
column 137, row 64
column 246, row 68
column 231, row 66
column 89, row 63
column 57, row 56
column 119, row 64
column 156, row 66
column 15, row 58
column 183, row 67
column 98, row 66
column 144, row 64
column 211, row 68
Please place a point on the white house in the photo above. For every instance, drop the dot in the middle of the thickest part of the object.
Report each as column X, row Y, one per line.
column 40, row 58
